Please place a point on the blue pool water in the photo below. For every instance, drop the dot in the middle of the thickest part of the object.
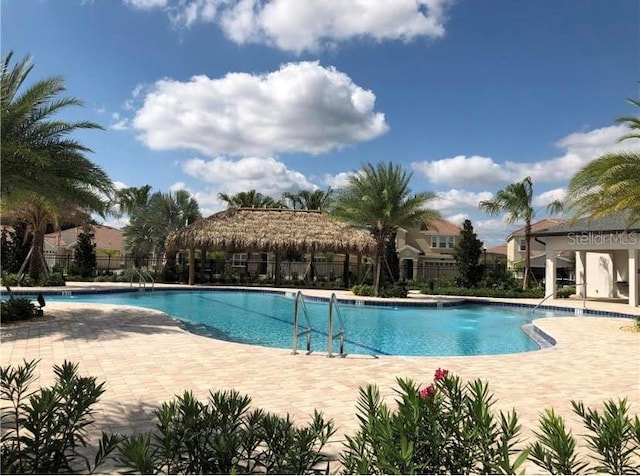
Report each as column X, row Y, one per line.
column 267, row 319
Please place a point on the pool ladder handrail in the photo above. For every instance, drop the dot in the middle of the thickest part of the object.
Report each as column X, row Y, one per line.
column 584, row 298
column 298, row 304
column 143, row 275
column 334, row 309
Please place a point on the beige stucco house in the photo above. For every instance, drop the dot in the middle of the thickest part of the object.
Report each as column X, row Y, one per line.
column 517, row 249
column 427, row 252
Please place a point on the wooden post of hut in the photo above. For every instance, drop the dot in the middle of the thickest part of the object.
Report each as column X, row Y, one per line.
column 359, row 268
column 192, row 266
column 203, row 259
column 278, row 276
column 345, row 271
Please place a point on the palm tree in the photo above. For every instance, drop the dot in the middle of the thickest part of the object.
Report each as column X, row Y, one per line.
column 152, row 220
column 250, row 199
column 516, row 201
column 130, row 199
column 310, row 200
column 44, row 172
column 610, row 183
column 379, row 199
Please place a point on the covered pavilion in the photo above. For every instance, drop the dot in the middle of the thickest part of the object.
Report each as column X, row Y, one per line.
column 607, row 257
column 272, row 230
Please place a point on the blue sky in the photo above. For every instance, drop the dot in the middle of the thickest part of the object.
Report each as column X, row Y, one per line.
column 282, row 95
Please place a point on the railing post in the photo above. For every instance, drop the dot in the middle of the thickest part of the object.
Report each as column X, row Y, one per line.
column 295, row 323
column 330, row 330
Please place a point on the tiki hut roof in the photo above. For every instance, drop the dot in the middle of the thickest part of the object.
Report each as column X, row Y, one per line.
column 271, row 229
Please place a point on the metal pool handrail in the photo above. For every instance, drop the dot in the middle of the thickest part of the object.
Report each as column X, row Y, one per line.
column 335, row 309
column 298, row 304
column 584, row 298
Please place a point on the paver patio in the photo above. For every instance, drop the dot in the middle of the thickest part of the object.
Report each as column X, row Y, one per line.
column 146, row 358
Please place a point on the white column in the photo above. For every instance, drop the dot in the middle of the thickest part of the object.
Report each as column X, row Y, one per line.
column 581, row 273
column 634, row 285
column 550, row 273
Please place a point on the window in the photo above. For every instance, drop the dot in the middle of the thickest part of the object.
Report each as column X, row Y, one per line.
column 438, row 241
column 522, row 245
column 239, row 260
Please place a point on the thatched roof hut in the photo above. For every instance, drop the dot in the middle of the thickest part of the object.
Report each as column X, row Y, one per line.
column 272, row 229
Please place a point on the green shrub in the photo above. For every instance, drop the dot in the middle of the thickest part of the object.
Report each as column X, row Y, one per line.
column 565, row 292
column 614, row 441
column 363, row 290
column 484, row 292
column 17, row 309
column 54, row 279
column 446, row 427
column 222, row 436
column 43, row 430
column 394, row 291
column 14, row 280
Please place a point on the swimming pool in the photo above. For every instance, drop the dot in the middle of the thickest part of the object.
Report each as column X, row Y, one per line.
column 266, row 319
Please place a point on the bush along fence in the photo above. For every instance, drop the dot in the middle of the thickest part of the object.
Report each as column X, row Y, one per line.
column 446, row 427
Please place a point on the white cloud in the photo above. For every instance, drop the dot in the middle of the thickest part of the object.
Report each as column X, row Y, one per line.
column 146, row 4
column 119, row 123
column 302, row 107
column 186, row 13
column 545, row 198
column 493, row 231
column 309, row 25
column 462, row 170
column 458, row 218
column 296, row 26
column 455, row 200
column 339, row 180
column 266, row 175
column 579, row 149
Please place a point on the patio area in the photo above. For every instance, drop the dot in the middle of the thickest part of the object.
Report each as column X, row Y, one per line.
column 146, row 358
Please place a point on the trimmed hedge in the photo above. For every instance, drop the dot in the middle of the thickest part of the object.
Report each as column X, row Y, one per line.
column 484, row 292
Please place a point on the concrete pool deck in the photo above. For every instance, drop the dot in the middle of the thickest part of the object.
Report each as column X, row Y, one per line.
column 147, row 358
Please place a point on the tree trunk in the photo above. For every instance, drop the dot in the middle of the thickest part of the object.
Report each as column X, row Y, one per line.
column 35, row 261
column 380, row 248
column 527, row 257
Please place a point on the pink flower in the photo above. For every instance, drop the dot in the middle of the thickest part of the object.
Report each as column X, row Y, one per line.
column 441, row 374
column 427, row 392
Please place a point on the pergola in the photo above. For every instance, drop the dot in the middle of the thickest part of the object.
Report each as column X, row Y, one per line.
column 607, row 256
column 270, row 230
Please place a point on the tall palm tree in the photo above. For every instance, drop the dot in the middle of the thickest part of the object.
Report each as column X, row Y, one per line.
column 250, row 199
column 610, row 183
column 516, row 200
column 310, row 199
column 44, row 170
column 379, row 199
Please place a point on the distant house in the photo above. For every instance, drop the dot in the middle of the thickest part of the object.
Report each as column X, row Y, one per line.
column 426, row 253
column 59, row 246
column 517, row 249
column 607, row 260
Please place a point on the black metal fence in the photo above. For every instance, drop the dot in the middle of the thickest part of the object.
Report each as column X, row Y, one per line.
column 227, row 271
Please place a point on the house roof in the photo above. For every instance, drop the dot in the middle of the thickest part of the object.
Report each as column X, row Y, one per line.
column 498, row 250
column 613, row 222
column 105, row 237
column 443, row 227
column 538, row 226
